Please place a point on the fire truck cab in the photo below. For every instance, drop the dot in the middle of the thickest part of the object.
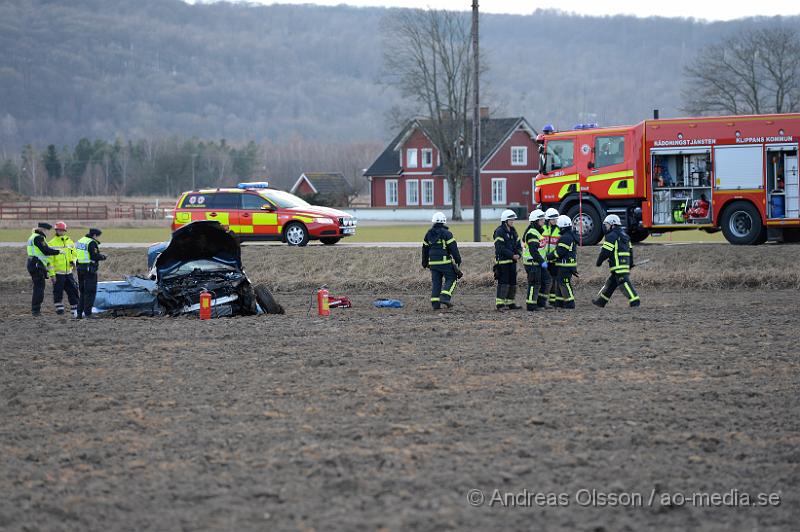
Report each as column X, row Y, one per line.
column 738, row 174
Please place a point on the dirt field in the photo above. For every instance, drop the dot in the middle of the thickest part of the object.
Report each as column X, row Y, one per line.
column 390, row 418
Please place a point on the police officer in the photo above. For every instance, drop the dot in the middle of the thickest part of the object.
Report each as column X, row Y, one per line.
column 88, row 250
column 440, row 254
column 533, row 261
column 38, row 253
column 60, row 270
column 618, row 251
column 550, row 237
column 565, row 258
column 507, row 251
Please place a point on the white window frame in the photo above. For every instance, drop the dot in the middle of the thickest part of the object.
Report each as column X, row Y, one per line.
column 447, row 200
column 499, row 199
column 427, row 183
column 411, row 162
column 429, row 153
column 412, row 185
column 524, row 159
column 391, row 184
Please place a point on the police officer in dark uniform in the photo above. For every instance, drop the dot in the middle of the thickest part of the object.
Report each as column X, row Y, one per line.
column 440, row 254
column 88, row 249
column 618, row 251
column 565, row 257
column 507, row 251
column 38, row 251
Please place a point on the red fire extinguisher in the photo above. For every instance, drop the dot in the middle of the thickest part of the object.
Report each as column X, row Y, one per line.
column 205, row 305
column 323, row 304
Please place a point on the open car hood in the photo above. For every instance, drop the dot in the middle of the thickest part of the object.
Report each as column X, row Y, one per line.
column 203, row 240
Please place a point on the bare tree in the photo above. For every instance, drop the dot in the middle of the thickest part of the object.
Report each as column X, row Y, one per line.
column 427, row 54
column 755, row 72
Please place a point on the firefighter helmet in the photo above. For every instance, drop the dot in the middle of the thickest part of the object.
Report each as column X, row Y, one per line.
column 551, row 214
column 536, row 215
column 61, row 226
column 612, row 219
column 508, row 214
column 564, row 221
column 439, row 218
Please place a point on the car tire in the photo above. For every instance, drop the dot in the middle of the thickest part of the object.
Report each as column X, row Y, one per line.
column 295, row 234
column 329, row 241
column 266, row 301
column 742, row 226
column 593, row 225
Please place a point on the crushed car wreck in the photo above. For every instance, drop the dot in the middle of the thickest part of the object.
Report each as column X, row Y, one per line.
column 200, row 257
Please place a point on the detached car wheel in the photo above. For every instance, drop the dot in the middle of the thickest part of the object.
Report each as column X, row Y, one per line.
column 296, row 234
column 329, row 241
column 266, row 301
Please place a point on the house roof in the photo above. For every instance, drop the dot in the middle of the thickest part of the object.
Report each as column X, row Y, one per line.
column 494, row 132
column 323, row 182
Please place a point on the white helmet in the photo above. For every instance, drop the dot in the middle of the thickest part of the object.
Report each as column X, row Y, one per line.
column 612, row 219
column 508, row 214
column 439, row 218
column 551, row 214
column 563, row 221
column 536, row 214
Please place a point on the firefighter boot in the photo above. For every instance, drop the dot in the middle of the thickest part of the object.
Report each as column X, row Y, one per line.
column 512, row 295
column 502, row 295
column 636, row 303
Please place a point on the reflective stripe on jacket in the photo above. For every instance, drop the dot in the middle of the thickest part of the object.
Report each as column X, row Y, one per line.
column 531, row 240
column 618, row 250
column 506, row 244
column 63, row 262
column 33, row 249
column 82, row 250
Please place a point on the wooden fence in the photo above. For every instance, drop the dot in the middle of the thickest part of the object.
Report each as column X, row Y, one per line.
column 89, row 210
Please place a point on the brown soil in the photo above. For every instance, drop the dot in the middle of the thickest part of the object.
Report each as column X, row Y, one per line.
column 387, row 418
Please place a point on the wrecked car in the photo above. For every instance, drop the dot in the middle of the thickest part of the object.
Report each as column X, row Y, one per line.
column 201, row 256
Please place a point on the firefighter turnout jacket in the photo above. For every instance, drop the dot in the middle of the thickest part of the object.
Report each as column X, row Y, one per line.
column 65, row 261
column 617, row 249
column 506, row 244
column 550, row 237
column 531, row 240
column 439, row 247
column 565, row 254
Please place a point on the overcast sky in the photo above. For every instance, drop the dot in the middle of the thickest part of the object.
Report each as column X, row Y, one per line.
column 702, row 9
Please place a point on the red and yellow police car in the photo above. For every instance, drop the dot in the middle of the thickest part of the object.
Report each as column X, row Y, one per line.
column 256, row 212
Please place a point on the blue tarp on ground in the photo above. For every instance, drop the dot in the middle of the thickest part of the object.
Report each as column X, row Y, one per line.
column 132, row 294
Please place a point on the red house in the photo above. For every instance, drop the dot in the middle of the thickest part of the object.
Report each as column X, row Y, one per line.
column 408, row 173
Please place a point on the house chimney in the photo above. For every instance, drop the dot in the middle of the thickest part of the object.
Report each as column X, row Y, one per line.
column 655, row 114
column 484, row 112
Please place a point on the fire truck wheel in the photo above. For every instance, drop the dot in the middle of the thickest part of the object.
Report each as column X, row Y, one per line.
column 741, row 224
column 591, row 221
column 296, row 234
column 638, row 236
column 266, row 301
column 330, row 241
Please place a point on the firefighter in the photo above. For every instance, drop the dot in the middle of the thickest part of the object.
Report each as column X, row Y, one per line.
column 89, row 256
column 535, row 264
column 38, row 253
column 60, row 270
column 618, row 251
column 507, row 250
column 440, row 254
column 549, row 242
column 565, row 258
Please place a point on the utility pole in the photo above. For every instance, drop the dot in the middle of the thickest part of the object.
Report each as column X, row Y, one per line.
column 193, row 185
column 476, row 130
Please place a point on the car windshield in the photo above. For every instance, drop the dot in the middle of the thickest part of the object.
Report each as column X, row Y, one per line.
column 284, row 200
column 202, row 265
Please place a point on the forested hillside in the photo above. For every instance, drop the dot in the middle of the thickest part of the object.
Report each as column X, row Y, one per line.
column 102, row 68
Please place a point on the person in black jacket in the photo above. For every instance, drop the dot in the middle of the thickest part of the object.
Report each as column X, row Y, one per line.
column 507, row 251
column 618, row 251
column 38, row 251
column 565, row 256
column 89, row 256
column 440, row 254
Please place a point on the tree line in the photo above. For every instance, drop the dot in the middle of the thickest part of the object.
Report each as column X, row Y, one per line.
column 168, row 166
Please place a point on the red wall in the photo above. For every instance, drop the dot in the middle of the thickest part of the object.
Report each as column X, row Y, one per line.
column 304, row 188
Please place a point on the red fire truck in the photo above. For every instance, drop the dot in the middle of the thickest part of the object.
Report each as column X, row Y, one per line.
column 737, row 174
